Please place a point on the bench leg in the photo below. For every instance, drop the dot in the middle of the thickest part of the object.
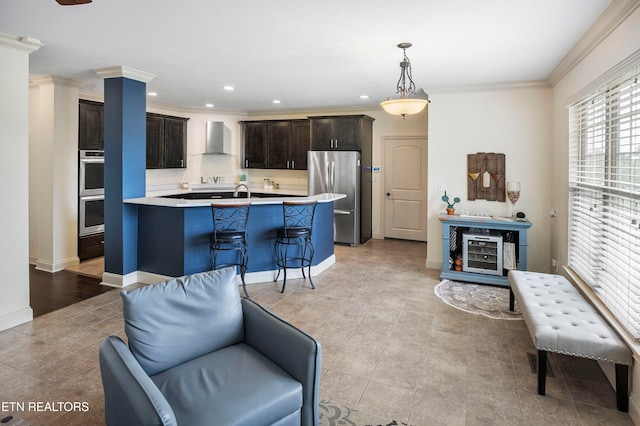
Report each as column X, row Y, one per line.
column 542, row 371
column 622, row 387
column 512, row 300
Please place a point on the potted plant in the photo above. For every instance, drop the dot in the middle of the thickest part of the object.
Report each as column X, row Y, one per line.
column 450, row 209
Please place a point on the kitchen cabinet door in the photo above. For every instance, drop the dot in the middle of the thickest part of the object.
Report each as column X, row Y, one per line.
column 175, row 143
column 91, row 125
column 278, row 145
column 256, row 135
column 300, row 144
column 155, row 137
column 347, row 134
column 322, row 130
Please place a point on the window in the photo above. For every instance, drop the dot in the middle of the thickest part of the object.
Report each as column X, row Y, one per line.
column 604, row 195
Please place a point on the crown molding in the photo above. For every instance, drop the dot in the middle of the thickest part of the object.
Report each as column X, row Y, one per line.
column 532, row 84
column 48, row 80
column 22, row 44
column 124, row 71
column 608, row 21
column 615, row 71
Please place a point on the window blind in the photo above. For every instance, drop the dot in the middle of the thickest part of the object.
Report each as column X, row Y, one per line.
column 604, row 195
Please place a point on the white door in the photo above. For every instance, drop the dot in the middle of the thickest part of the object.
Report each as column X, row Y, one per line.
column 405, row 211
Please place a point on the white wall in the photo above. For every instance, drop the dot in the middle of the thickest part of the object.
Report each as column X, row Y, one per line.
column 515, row 122
column 14, row 175
column 53, row 173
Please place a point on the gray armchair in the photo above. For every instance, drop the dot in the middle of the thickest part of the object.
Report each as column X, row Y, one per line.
column 199, row 355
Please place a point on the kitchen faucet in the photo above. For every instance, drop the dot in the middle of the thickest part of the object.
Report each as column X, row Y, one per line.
column 235, row 193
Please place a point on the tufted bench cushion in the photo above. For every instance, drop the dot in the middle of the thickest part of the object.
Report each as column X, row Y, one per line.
column 560, row 320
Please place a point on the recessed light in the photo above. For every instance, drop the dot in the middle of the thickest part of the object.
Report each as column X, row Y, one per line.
column 152, row 94
column 229, row 88
column 275, row 101
column 364, row 96
column 209, row 105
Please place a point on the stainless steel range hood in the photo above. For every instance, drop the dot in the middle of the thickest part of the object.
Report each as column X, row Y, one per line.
column 218, row 138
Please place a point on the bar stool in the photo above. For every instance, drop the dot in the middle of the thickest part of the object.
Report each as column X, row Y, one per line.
column 230, row 234
column 296, row 235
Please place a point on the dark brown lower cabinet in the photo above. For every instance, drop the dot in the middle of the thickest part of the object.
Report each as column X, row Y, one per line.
column 91, row 246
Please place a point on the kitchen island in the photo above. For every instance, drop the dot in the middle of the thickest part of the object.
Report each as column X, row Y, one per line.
column 173, row 234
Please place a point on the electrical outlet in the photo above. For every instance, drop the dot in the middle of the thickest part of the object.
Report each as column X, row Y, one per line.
column 441, row 187
column 553, row 213
column 554, row 265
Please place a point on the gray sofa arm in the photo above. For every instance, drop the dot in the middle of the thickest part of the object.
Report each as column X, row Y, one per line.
column 291, row 349
column 130, row 397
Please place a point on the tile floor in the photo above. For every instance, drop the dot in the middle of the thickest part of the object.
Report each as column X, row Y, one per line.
column 392, row 350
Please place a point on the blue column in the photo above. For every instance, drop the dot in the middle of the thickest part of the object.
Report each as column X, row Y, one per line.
column 124, row 177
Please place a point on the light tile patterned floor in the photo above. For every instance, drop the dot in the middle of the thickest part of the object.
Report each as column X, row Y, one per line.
column 392, row 350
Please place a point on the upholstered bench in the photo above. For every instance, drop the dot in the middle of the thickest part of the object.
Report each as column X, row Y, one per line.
column 560, row 320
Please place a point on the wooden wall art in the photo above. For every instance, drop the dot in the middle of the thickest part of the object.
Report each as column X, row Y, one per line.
column 485, row 176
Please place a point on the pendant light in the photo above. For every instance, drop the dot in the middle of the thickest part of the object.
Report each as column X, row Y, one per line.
column 407, row 103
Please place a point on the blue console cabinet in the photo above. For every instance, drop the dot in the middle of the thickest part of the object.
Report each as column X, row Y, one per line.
column 471, row 224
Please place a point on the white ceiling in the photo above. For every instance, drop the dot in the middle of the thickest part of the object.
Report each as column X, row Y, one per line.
column 308, row 54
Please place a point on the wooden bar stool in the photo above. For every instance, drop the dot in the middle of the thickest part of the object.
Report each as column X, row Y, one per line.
column 230, row 234
column 293, row 246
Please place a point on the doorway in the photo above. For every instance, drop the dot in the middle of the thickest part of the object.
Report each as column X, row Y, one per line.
column 405, row 188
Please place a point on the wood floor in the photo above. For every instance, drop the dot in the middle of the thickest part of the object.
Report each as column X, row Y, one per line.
column 49, row 292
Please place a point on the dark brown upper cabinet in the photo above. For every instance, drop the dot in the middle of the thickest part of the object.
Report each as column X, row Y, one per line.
column 255, row 136
column 91, row 125
column 343, row 133
column 166, row 141
column 276, row 144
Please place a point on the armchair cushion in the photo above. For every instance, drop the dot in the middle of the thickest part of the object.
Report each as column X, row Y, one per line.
column 230, row 387
column 170, row 323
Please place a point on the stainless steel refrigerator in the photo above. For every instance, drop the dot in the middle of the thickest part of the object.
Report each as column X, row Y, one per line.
column 339, row 172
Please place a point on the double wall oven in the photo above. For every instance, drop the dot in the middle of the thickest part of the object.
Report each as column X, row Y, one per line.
column 91, row 193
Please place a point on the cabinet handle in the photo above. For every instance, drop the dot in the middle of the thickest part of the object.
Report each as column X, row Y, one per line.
column 246, row 163
column 293, row 164
column 181, row 163
column 287, row 164
column 331, row 143
column 336, row 143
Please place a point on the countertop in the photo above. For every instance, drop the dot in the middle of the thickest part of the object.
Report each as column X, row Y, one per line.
column 276, row 196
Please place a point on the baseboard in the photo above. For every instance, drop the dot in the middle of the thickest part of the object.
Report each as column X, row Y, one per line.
column 51, row 267
column 433, row 265
column 119, row 281
column 16, row 318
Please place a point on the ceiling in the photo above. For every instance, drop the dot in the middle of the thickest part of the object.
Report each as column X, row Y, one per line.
column 309, row 55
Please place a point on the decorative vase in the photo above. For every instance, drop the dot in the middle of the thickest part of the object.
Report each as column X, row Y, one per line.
column 451, row 211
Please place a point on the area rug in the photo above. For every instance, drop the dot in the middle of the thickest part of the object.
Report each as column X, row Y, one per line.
column 332, row 414
column 480, row 299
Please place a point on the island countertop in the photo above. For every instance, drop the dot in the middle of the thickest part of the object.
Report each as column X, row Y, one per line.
column 160, row 201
